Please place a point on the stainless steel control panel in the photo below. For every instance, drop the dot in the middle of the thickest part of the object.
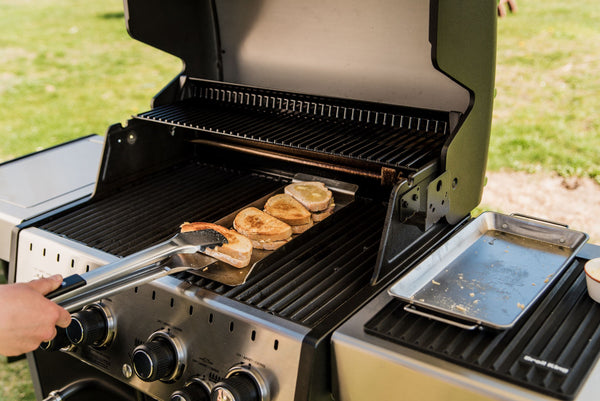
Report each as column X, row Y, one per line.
column 192, row 336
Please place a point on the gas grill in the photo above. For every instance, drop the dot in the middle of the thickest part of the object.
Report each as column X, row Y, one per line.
column 390, row 106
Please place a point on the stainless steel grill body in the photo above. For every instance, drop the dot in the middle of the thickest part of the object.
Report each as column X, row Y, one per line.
column 277, row 322
column 395, row 99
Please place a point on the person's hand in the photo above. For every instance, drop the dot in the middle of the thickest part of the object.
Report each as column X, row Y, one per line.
column 504, row 4
column 27, row 318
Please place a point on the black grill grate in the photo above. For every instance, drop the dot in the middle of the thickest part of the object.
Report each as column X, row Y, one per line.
column 386, row 139
column 312, row 276
column 317, row 272
column 551, row 351
column 152, row 210
column 312, row 280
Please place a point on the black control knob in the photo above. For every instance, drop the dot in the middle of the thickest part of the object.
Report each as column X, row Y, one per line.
column 194, row 391
column 58, row 342
column 238, row 387
column 154, row 360
column 88, row 327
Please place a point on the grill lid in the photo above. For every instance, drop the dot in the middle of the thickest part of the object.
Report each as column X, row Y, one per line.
column 428, row 55
column 350, row 49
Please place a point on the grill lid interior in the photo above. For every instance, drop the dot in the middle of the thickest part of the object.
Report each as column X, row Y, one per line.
column 349, row 49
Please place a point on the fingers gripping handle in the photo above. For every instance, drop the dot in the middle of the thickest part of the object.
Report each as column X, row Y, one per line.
column 68, row 284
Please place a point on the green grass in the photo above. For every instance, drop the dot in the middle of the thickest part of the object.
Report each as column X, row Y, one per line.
column 548, row 89
column 68, row 69
column 15, row 382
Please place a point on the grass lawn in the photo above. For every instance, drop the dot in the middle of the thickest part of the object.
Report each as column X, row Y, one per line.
column 548, row 89
column 15, row 382
column 68, row 69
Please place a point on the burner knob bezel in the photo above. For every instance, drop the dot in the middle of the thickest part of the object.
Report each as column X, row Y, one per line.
column 171, row 347
column 191, row 390
column 107, row 326
column 244, row 375
column 60, row 342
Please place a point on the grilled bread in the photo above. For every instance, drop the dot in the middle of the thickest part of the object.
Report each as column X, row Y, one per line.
column 321, row 215
column 313, row 195
column 287, row 209
column 236, row 252
column 268, row 245
column 261, row 227
column 299, row 229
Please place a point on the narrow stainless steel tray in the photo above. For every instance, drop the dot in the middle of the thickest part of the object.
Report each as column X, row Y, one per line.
column 205, row 266
column 490, row 272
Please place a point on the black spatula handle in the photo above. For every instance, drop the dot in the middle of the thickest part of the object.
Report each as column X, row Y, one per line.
column 69, row 283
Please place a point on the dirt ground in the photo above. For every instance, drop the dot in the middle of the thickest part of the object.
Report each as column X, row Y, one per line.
column 572, row 201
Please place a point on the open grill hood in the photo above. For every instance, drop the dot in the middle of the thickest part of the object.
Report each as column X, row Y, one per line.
column 394, row 53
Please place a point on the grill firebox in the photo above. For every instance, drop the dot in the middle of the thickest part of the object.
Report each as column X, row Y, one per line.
column 314, row 275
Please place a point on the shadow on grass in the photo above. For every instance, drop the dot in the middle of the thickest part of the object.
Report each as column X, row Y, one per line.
column 115, row 15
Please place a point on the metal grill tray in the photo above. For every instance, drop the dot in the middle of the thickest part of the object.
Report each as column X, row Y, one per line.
column 491, row 272
column 205, row 266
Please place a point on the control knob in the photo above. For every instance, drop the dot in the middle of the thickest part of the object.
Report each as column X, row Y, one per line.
column 93, row 325
column 60, row 341
column 195, row 390
column 160, row 358
column 242, row 383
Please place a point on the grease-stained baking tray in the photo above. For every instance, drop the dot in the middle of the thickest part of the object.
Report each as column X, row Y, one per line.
column 490, row 272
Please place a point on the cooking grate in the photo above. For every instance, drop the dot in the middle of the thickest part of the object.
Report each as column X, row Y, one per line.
column 152, row 210
column 318, row 272
column 551, row 351
column 309, row 280
column 393, row 139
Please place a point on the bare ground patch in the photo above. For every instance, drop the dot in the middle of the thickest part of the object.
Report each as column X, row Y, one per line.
column 573, row 201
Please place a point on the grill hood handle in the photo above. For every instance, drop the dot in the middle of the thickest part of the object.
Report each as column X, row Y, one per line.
column 136, row 269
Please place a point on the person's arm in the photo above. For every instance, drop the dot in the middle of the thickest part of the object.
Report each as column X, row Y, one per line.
column 27, row 318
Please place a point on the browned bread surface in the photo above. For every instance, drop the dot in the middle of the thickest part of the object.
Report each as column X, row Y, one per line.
column 299, row 229
column 260, row 226
column 314, row 195
column 287, row 209
column 238, row 250
column 268, row 245
column 323, row 214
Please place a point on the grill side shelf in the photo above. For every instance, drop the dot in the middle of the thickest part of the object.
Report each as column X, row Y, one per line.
column 550, row 351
